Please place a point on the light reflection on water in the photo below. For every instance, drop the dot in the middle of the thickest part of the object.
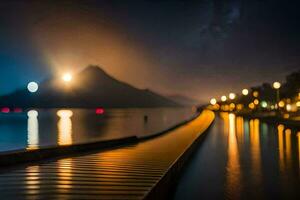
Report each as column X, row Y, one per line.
column 32, row 179
column 233, row 177
column 33, row 130
column 64, row 127
column 262, row 162
column 39, row 128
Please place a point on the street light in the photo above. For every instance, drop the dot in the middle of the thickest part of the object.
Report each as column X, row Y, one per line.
column 232, row 96
column 245, row 92
column 213, row 101
column 276, row 86
column 223, row 98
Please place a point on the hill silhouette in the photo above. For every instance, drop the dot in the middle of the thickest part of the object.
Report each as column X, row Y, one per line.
column 92, row 87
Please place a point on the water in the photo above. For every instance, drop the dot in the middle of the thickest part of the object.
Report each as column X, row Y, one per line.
column 244, row 159
column 39, row 128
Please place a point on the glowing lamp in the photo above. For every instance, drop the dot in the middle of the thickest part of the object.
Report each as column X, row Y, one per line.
column 251, row 105
column 232, row 106
column 281, row 104
column 232, row 96
column 276, row 85
column 223, row 98
column 32, row 87
column 245, row 92
column 213, row 101
column 264, row 104
column 255, row 93
column 288, row 107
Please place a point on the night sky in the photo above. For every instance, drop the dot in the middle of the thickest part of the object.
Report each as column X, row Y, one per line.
column 196, row 48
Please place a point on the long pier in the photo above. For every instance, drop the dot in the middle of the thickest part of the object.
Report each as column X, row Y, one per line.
column 145, row 170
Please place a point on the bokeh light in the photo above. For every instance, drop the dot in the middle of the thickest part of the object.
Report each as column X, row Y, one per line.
column 232, row 96
column 264, row 104
column 32, row 87
column 213, row 101
column 276, row 85
column 245, row 92
column 281, row 104
column 255, row 93
column 223, row 98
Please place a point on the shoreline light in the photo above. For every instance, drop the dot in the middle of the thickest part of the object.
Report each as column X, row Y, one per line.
column 264, row 104
column 281, row 104
column 245, row 92
column 232, row 96
column 255, row 93
column 32, row 87
column 67, row 77
column 223, row 98
column 276, row 85
column 288, row 107
column 213, row 101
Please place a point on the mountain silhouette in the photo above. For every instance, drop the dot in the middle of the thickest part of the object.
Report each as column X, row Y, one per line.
column 92, row 87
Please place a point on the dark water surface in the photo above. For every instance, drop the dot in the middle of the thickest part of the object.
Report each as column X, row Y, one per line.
column 38, row 128
column 244, row 159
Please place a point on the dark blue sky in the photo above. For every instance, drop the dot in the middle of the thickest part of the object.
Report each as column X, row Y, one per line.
column 196, row 48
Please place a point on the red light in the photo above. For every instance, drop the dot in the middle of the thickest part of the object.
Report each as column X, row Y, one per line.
column 5, row 110
column 17, row 110
column 99, row 111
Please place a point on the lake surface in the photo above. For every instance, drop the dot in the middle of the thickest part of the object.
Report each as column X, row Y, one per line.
column 243, row 159
column 34, row 129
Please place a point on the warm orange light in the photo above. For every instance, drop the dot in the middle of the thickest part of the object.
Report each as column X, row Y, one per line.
column 67, row 77
column 64, row 127
column 256, row 101
column 286, row 115
column 239, row 106
column 281, row 104
column 251, row 105
column 232, row 106
column 255, row 93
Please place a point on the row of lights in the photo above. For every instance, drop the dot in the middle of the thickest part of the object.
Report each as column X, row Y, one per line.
column 245, row 92
column 280, row 104
column 33, row 86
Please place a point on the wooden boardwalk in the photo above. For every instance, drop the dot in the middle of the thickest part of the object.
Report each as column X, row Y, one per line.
column 124, row 173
